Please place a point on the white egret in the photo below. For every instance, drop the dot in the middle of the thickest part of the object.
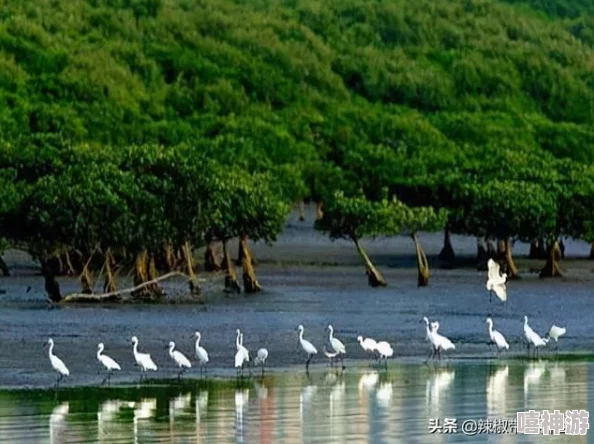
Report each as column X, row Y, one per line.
column 497, row 337
column 555, row 333
column 533, row 338
column 427, row 328
column 440, row 342
column 201, row 352
column 107, row 362
column 336, row 345
column 242, row 356
column 178, row 357
column 260, row 358
column 143, row 360
column 57, row 364
column 307, row 347
column 496, row 281
column 429, row 337
column 367, row 344
column 330, row 355
column 385, row 351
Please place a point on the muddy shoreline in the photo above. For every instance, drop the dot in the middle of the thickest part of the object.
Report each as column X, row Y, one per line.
column 307, row 280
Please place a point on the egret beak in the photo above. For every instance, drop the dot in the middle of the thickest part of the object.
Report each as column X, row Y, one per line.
column 44, row 345
column 166, row 347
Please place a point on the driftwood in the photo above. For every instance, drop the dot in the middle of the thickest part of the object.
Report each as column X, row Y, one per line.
column 118, row 296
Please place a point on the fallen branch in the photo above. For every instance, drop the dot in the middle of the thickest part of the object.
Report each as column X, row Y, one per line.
column 117, row 296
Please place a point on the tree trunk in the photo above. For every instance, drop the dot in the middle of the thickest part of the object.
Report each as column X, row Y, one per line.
column 52, row 287
column 533, row 254
column 301, row 211
column 193, row 281
column 86, row 281
column 109, row 284
column 512, row 270
column 491, row 252
column 447, row 252
column 482, row 256
column 240, row 254
column 170, row 259
column 422, row 264
column 562, row 248
column 592, row 250
column 212, row 260
column 551, row 268
column 374, row 277
column 231, row 283
column 71, row 271
column 250, row 282
column 4, row 268
column 145, row 270
column 319, row 211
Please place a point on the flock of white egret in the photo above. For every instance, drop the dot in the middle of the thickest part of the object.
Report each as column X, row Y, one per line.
column 380, row 350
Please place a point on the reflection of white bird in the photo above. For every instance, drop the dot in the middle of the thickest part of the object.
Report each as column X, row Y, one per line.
column 57, row 423
column 178, row 404
column 437, row 385
column 384, row 394
column 368, row 380
column 496, row 391
column 367, row 344
column 496, row 281
column 532, row 376
column 107, row 362
column 241, row 400
column 57, row 364
column 307, row 347
column 201, row 352
column 532, row 337
column 143, row 360
column 440, row 342
column 497, row 337
column 337, row 345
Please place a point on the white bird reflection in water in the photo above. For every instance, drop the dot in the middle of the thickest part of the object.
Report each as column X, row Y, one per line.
column 437, row 387
column 384, row 394
column 496, row 392
column 368, row 380
column 201, row 409
column 532, row 378
column 261, row 391
column 143, row 411
column 57, row 423
column 241, row 401
column 178, row 406
column 107, row 426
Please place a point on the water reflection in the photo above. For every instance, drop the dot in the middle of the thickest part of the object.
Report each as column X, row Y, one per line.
column 361, row 406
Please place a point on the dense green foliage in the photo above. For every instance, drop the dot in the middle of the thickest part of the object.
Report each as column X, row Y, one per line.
column 131, row 124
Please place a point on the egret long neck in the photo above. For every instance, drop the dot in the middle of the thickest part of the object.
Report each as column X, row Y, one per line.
column 197, row 341
column 99, row 351
column 51, row 349
column 135, row 349
column 171, row 347
column 301, row 335
column 237, row 343
column 331, row 333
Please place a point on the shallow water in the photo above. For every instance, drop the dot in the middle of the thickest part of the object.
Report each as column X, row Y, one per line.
column 361, row 405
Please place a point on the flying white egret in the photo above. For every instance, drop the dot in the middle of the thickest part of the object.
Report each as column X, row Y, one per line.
column 307, row 347
column 336, row 345
column 260, row 358
column 107, row 362
column 496, row 281
column 533, row 338
column 330, row 355
column 143, row 360
column 201, row 352
column 57, row 364
column 367, row 344
column 440, row 342
column 385, row 351
column 497, row 337
column 178, row 357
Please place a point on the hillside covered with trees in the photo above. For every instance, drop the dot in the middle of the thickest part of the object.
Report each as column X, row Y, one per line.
column 138, row 130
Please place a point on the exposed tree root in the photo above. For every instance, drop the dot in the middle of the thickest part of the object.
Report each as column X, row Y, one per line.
column 301, row 211
column 4, row 267
column 504, row 250
column 213, row 258
column 374, row 277
column 422, row 264
column 231, row 283
column 124, row 295
column 551, row 268
column 250, row 282
column 447, row 252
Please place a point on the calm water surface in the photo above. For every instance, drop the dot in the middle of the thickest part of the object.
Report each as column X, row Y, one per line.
column 361, row 405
